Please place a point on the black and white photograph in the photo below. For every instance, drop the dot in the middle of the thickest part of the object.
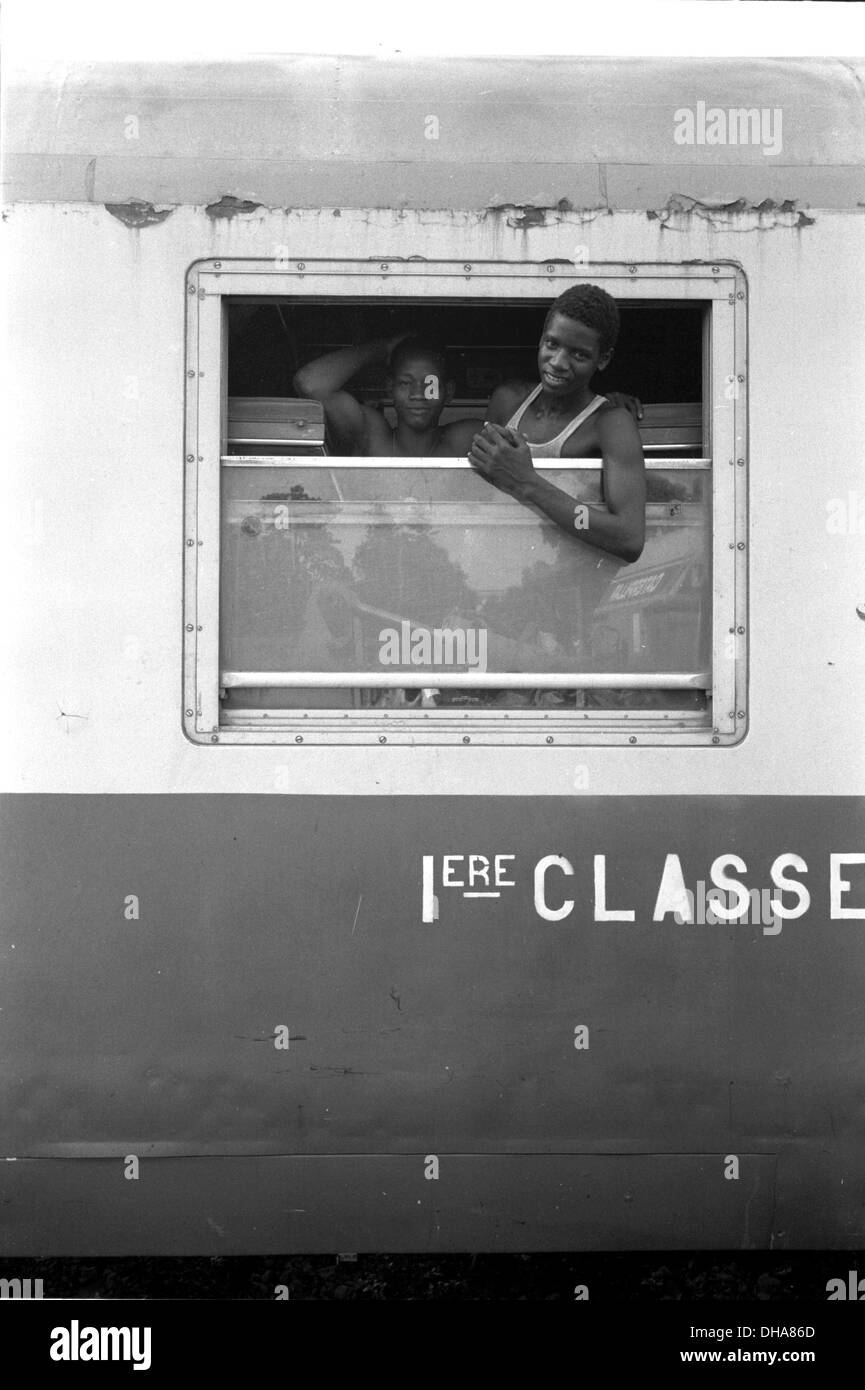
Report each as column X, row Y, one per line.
column 433, row 810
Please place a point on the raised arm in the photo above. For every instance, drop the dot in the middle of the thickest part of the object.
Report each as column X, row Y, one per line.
column 323, row 380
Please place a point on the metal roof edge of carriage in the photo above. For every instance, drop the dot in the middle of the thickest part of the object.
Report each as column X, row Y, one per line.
column 300, row 132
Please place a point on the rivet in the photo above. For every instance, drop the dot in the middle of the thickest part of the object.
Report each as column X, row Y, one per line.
column 385, row 266
column 217, row 265
column 382, row 738
column 740, row 629
column 189, row 627
column 190, row 458
column 191, row 289
column 201, row 542
column 199, row 629
column 632, row 269
column 190, row 542
column 732, row 629
column 741, row 714
column 214, row 738
column 715, row 730
column 201, row 458
column 741, row 462
column 190, row 373
column 741, row 545
column 466, row 267
column 715, row 270
column 466, row 738
column 551, row 269
column 716, row 740
column 549, row 738
column 731, row 546
column 298, row 738
column 732, row 714
column 730, row 462
column 301, row 265
column 740, row 377
column 741, row 294
column 632, row 739
column 189, row 714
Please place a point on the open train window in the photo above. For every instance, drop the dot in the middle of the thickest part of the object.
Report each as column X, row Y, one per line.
column 332, row 598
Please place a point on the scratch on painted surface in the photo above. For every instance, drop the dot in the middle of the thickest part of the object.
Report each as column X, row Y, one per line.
column 356, row 912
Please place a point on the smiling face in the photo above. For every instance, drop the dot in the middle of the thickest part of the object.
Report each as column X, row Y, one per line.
column 569, row 355
column 419, row 392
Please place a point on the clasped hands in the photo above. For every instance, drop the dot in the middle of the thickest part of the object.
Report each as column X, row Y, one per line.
column 502, row 456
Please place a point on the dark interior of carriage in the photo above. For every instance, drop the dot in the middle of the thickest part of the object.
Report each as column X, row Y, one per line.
column 658, row 357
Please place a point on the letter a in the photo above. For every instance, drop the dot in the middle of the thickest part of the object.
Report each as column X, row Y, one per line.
column 130, row 908
column 60, row 1348
column 130, row 1167
column 673, row 896
column 581, row 1038
column 731, row 1167
column 837, row 1285
column 431, row 1167
column 684, row 131
column 388, row 652
column 280, row 1037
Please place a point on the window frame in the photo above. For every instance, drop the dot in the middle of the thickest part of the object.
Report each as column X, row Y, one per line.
column 210, row 283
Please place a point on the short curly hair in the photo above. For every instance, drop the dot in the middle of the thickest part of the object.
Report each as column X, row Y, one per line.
column 592, row 306
column 416, row 346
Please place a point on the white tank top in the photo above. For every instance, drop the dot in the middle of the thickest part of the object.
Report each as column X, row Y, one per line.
column 552, row 449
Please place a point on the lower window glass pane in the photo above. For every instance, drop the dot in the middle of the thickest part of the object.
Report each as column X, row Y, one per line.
column 422, row 572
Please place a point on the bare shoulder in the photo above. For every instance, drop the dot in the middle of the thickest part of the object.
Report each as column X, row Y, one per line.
column 458, row 435
column 506, row 398
column 617, row 425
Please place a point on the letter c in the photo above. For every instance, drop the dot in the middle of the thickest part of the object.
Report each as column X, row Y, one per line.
column 551, row 914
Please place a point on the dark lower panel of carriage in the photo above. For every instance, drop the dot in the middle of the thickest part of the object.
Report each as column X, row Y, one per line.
column 149, row 1028
column 179, row 1206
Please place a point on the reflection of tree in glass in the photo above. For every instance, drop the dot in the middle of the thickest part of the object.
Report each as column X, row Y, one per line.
column 308, row 577
column 296, row 493
column 402, row 570
column 544, row 603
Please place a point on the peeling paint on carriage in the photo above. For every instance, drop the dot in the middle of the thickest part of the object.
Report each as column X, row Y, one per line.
column 738, row 216
column 229, row 206
column 138, row 213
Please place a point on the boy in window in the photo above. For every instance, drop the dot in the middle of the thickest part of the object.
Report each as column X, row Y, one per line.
column 418, row 381
column 561, row 417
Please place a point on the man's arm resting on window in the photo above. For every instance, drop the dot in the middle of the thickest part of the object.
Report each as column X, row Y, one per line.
column 618, row 526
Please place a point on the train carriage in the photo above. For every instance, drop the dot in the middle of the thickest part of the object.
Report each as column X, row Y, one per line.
column 384, row 869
